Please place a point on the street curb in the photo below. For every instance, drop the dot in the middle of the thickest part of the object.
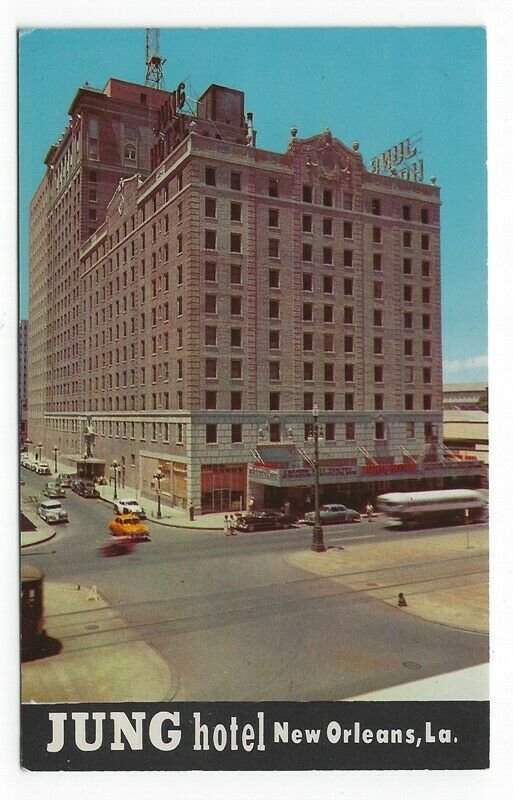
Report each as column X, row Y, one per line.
column 166, row 524
column 40, row 541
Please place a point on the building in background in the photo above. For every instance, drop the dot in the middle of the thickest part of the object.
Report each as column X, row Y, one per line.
column 470, row 396
column 197, row 316
column 466, row 422
column 22, row 379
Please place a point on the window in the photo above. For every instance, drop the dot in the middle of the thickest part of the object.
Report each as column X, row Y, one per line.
column 410, row 430
column 407, row 266
column 179, row 275
column 210, row 207
column 347, row 201
column 274, row 279
column 348, row 258
column 328, row 313
column 274, row 248
column 273, row 187
column 211, row 303
column 378, row 402
column 236, row 274
column 235, row 243
column 426, row 294
column 424, row 241
column 274, row 340
column 210, row 400
column 274, row 309
column 426, row 374
column 428, row 432
column 211, row 368
column 378, row 373
column 378, row 290
column 408, row 402
column 348, row 344
column 236, row 337
column 408, row 374
column 424, row 216
column 329, row 401
column 327, row 255
column 376, row 207
column 406, row 212
column 307, row 223
column 427, row 402
column 426, row 269
column 350, row 431
column 308, row 401
column 408, row 320
column 179, row 432
column 236, row 433
column 348, row 287
column 275, row 432
column 179, row 369
column 327, row 284
column 235, row 212
column 328, row 342
column 378, row 346
column 348, row 230
column 348, row 315
column 210, row 271
column 211, row 335
column 379, row 430
column 210, row 240
column 308, row 371
column 211, row 433
column 236, row 368
column 235, row 181
column 236, row 401
column 307, row 312
column 408, row 347
column 274, row 370
column 349, row 373
column 378, row 317
column 274, row 401
column 236, row 306
column 406, row 239
column 307, row 252
column 274, row 218
column 210, row 176
column 307, row 193
column 307, row 342
column 376, row 262
column 327, row 226
column 376, row 235
column 307, row 282
column 408, row 293
column 349, row 401
column 327, row 197
column 426, row 322
column 329, row 372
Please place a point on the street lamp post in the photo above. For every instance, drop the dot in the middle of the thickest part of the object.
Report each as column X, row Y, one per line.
column 55, row 451
column 318, row 545
column 39, row 449
column 158, row 477
column 115, row 467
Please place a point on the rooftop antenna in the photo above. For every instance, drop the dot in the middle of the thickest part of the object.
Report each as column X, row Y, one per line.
column 154, row 63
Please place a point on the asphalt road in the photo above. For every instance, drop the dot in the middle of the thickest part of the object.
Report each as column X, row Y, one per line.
column 236, row 621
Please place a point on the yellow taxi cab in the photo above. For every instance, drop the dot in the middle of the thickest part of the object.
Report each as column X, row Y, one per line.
column 128, row 525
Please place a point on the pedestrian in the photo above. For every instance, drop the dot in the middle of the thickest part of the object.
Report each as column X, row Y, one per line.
column 251, row 504
column 369, row 509
column 191, row 512
column 286, row 507
column 308, row 503
column 233, row 523
column 226, row 525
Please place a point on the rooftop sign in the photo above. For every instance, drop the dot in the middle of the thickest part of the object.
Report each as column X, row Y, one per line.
column 401, row 160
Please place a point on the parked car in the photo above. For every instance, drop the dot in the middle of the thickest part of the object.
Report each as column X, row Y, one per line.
column 85, row 488
column 65, row 480
column 129, row 505
column 129, row 525
column 333, row 512
column 54, row 489
column 52, row 511
column 261, row 521
column 42, row 468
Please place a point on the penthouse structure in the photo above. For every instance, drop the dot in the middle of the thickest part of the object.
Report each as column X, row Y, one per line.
column 221, row 295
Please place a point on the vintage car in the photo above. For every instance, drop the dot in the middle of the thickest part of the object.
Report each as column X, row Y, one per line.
column 130, row 526
column 85, row 488
column 332, row 513
column 263, row 521
column 65, row 480
column 42, row 468
column 52, row 511
column 129, row 505
column 54, row 489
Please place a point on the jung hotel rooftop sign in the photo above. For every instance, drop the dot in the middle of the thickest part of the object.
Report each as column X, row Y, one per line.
column 401, row 160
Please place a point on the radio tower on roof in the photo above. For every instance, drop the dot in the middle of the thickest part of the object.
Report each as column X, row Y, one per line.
column 154, row 63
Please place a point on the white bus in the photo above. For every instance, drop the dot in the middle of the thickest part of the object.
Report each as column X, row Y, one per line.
column 445, row 505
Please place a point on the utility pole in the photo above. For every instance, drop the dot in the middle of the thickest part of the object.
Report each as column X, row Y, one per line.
column 154, row 62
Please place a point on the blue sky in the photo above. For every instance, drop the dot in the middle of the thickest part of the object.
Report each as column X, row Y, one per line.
column 374, row 85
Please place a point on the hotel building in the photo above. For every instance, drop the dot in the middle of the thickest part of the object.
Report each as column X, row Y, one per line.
column 195, row 297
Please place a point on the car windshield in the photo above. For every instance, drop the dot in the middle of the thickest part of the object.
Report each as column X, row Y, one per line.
column 52, row 506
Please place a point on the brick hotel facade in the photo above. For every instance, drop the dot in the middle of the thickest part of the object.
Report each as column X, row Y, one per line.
column 195, row 296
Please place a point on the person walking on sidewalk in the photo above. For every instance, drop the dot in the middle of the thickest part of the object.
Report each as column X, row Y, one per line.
column 226, row 525
column 369, row 510
column 233, row 522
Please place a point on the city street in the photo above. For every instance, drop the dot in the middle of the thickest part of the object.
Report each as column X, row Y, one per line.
column 258, row 616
